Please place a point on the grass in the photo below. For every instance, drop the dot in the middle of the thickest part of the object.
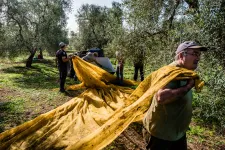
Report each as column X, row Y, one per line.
column 29, row 92
column 25, row 93
column 201, row 137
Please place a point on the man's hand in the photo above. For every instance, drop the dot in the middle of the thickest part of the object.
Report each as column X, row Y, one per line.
column 71, row 56
column 166, row 95
column 190, row 84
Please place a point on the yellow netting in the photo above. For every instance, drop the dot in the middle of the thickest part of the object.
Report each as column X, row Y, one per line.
column 97, row 116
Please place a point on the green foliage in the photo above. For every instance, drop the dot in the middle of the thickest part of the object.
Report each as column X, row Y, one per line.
column 97, row 25
column 26, row 24
column 209, row 104
column 196, row 130
column 15, row 106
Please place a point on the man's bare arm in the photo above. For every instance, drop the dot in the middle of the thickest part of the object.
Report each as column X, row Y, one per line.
column 166, row 95
column 64, row 59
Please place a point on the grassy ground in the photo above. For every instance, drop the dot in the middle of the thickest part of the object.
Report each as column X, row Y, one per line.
column 26, row 93
column 29, row 92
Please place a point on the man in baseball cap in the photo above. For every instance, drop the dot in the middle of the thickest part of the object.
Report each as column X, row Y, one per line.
column 62, row 44
column 62, row 60
column 188, row 54
column 190, row 44
column 169, row 116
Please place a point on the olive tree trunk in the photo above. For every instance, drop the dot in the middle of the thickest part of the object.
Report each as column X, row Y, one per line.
column 30, row 58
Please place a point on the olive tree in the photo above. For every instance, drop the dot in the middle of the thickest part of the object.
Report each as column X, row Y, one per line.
column 31, row 24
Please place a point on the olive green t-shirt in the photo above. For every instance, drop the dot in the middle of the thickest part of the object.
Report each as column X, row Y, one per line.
column 170, row 121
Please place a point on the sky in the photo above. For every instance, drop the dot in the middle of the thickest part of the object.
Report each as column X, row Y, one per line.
column 71, row 24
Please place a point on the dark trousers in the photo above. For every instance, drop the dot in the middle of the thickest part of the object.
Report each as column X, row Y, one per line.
column 72, row 71
column 119, row 73
column 159, row 144
column 62, row 78
column 138, row 66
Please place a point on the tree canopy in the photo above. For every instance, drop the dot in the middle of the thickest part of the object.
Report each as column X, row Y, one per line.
column 26, row 24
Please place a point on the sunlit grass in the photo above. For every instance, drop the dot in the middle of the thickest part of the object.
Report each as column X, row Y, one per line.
column 28, row 92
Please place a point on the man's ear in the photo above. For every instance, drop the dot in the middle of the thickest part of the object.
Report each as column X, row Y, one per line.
column 182, row 55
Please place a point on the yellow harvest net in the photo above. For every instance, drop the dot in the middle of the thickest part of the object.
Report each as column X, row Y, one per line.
column 97, row 116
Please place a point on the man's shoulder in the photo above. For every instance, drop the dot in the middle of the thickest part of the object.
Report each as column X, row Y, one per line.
column 174, row 64
column 61, row 53
column 58, row 52
column 64, row 53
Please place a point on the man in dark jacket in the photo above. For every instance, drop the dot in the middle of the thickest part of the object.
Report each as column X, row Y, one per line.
column 62, row 64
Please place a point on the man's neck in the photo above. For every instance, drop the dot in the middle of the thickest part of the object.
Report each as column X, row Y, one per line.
column 179, row 64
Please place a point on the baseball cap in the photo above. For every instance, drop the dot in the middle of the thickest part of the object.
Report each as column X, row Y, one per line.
column 190, row 44
column 61, row 44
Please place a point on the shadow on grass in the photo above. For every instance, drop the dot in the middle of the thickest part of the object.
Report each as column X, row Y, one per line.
column 42, row 75
column 73, row 94
column 43, row 61
column 9, row 114
column 3, row 111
